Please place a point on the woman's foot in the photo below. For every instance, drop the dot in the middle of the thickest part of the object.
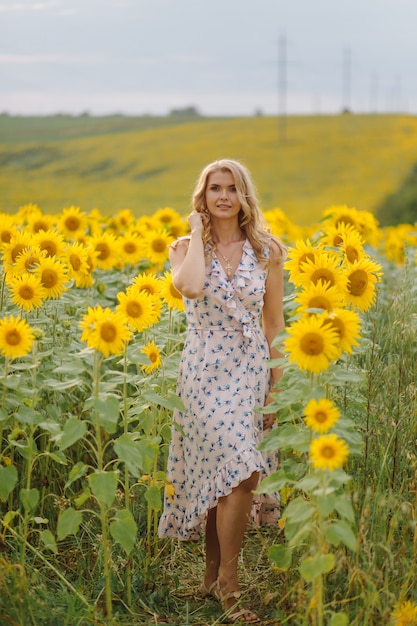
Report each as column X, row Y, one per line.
column 208, row 590
column 230, row 604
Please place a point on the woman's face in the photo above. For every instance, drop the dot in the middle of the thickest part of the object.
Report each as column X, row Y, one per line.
column 221, row 195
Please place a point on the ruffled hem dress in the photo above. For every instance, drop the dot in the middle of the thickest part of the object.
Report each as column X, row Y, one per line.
column 223, row 378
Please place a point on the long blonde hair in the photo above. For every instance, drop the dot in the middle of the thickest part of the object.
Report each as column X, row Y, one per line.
column 250, row 217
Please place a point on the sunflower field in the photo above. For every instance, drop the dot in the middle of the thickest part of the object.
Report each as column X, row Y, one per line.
column 91, row 332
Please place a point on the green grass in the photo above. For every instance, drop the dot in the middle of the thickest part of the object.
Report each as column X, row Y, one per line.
column 147, row 163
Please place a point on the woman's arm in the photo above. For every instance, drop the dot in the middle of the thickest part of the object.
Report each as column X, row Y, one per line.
column 273, row 315
column 188, row 261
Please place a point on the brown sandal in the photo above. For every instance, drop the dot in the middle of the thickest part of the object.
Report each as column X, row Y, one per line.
column 234, row 613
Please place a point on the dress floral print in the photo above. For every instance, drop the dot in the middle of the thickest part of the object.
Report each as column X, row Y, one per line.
column 223, row 379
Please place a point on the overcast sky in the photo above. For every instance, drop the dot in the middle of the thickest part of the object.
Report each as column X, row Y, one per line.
column 225, row 57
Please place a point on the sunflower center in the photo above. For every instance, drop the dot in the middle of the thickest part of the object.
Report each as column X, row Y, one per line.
column 75, row 262
column 358, row 282
column 336, row 325
column 328, row 452
column 153, row 357
column 26, row 292
column 321, row 417
column 103, row 250
column 6, row 236
column 159, row 245
column 319, row 302
column 72, row 223
column 337, row 240
column 13, row 337
column 307, row 256
column 345, row 219
column 30, row 262
column 130, row 247
column 108, row 332
column 18, row 249
column 352, row 253
column 39, row 225
column 323, row 274
column 312, row 344
column 49, row 247
column 49, row 278
column 134, row 309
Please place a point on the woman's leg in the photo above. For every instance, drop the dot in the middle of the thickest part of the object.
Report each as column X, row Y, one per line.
column 212, row 549
column 232, row 517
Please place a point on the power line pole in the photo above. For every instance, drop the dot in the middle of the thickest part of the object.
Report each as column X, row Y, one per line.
column 282, row 89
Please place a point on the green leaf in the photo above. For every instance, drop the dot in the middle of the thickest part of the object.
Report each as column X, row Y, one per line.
column 74, row 429
column 77, row 471
column 344, row 507
column 339, row 619
column 153, row 498
column 340, row 531
column 314, row 566
column 104, row 485
column 281, row 556
column 49, row 541
column 29, row 498
column 139, row 455
column 68, row 523
column 58, row 457
column 8, row 480
column 171, row 402
column 27, row 415
column 108, row 410
column 326, row 504
column 273, row 483
column 124, row 530
column 299, row 510
column 309, row 482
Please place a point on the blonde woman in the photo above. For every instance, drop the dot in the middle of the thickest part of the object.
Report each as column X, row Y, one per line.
column 229, row 272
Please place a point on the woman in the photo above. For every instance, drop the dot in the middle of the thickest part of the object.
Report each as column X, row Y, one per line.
column 229, row 272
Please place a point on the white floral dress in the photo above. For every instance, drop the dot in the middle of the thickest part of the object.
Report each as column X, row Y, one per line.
column 223, row 378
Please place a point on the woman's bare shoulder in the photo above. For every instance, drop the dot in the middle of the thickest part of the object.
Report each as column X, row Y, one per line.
column 181, row 243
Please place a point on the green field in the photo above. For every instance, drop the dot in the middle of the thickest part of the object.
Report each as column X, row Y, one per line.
column 146, row 163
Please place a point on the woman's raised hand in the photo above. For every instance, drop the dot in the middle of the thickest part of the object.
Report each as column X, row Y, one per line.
column 196, row 222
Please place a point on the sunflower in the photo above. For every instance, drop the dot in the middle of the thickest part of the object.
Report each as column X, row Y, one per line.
column 105, row 330
column 53, row 276
column 72, row 222
column 328, row 452
column 27, row 291
column 178, row 228
column 347, row 325
column 154, row 355
column 352, row 247
column 321, row 415
column 363, row 221
column 8, row 228
column 333, row 235
column 107, row 249
column 51, row 241
column 131, row 248
column 76, row 256
column 311, row 343
column 361, row 278
column 137, row 307
column 121, row 222
column 38, row 221
column 149, row 283
column 170, row 294
column 19, row 242
column 28, row 260
column 166, row 217
column 16, row 337
column 319, row 296
column 297, row 256
column 156, row 244
column 325, row 267
column 404, row 614
column 86, row 279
